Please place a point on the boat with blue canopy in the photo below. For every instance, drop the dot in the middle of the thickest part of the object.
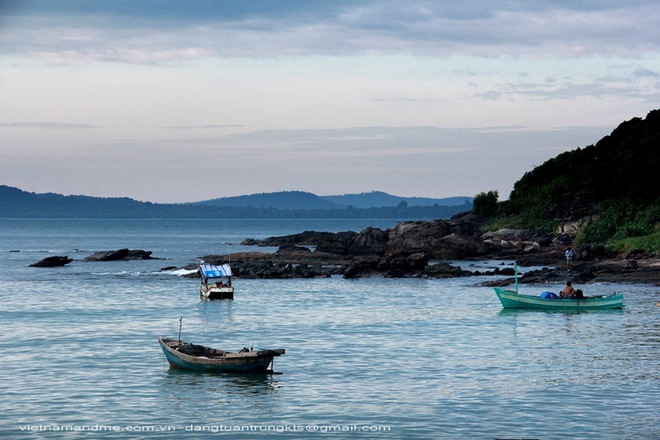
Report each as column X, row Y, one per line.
column 216, row 281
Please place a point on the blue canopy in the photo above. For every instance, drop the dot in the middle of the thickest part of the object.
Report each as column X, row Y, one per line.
column 212, row 271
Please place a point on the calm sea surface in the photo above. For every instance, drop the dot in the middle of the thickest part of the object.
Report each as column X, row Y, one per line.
column 366, row 358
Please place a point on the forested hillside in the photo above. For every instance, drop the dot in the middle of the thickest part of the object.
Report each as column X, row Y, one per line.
column 617, row 181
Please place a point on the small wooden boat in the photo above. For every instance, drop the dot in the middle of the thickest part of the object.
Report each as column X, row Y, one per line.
column 514, row 300
column 216, row 281
column 186, row 356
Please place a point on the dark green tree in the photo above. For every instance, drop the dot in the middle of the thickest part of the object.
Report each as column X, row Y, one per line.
column 485, row 203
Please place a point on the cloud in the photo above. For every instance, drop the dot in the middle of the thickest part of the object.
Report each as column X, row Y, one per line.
column 642, row 72
column 197, row 127
column 613, row 81
column 144, row 32
column 47, row 125
column 440, row 97
column 369, row 142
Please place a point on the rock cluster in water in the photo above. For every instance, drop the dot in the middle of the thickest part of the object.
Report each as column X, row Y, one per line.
column 55, row 261
column 121, row 254
column 116, row 255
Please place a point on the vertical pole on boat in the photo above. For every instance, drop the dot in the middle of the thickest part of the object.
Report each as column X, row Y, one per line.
column 180, row 323
column 227, row 243
column 515, row 268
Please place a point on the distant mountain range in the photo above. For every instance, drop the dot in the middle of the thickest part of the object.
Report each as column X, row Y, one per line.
column 16, row 203
column 306, row 200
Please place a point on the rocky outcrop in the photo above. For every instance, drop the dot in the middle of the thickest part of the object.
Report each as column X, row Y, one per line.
column 371, row 241
column 423, row 249
column 428, row 241
column 55, row 261
column 442, row 239
column 333, row 242
column 449, row 239
column 121, row 254
column 403, row 250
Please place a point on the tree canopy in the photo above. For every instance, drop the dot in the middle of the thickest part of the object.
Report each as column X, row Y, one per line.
column 617, row 181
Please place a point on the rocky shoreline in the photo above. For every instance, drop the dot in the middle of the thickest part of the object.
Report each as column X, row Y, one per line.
column 422, row 248
column 425, row 248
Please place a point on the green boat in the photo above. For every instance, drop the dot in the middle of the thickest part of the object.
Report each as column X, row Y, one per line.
column 513, row 300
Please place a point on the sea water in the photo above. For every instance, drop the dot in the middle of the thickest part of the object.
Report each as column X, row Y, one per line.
column 365, row 358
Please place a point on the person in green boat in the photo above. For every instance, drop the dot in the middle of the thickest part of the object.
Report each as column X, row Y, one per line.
column 568, row 292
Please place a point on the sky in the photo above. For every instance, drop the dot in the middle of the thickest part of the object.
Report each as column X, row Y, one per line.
column 180, row 101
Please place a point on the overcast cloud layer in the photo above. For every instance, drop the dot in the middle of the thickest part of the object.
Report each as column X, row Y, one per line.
column 175, row 101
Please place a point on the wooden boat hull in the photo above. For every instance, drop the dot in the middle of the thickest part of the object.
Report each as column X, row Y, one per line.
column 512, row 300
column 222, row 362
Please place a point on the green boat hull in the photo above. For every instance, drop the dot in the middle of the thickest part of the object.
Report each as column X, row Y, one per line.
column 513, row 300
